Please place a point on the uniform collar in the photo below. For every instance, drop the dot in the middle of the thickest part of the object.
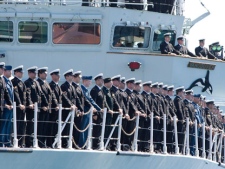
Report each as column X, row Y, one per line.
column 98, row 87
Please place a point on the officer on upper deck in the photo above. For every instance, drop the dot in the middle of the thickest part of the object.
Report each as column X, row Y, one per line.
column 203, row 51
column 166, row 47
column 181, row 48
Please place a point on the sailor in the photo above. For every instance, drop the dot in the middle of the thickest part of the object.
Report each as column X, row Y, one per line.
column 148, row 109
column 143, row 117
column 172, row 112
column 54, row 115
column 19, row 89
column 131, row 102
column 83, row 101
column 5, row 99
column 180, row 113
column 166, row 47
column 183, row 49
column 118, row 97
column 111, row 105
column 68, row 101
column 7, row 111
column 203, row 51
column 157, row 110
column 47, row 104
column 86, row 82
column 122, row 85
column 98, row 96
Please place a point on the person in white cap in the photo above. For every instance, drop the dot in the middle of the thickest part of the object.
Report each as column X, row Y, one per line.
column 183, row 49
column 166, row 47
column 20, row 99
column 68, row 101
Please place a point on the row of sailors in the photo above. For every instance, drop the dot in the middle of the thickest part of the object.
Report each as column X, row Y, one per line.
column 115, row 94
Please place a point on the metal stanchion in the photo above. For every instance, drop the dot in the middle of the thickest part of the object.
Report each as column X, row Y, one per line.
column 103, row 129
column 15, row 140
column 215, row 146
column 203, row 140
column 71, row 130
column 187, row 137
column 224, row 149
column 119, row 133
column 90, row 130
column 210, row 144
column 59, row 143
column 151, row 133
column 164, row 134
column 220, row 147
column 135, row 146
column 175, row 133
column 196, row 139
column 35, row 140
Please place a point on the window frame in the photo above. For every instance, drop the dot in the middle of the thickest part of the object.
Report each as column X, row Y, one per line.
column 129, row 48
column 14, row 29
column 76, row 21
column 34, row 20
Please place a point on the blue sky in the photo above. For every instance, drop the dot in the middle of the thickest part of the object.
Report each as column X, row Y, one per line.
column 211, row 28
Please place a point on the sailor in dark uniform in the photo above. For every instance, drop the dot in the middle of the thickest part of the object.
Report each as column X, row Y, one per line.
column 116, row 93
column 122, row 85
column 166, row 47
column 172, row 112
column 83, row 101
column 20, row 99
column 133, row 107
column 98, row 96
column 111, row 105
column 68, row 101
column 180, row 113
column 7, row 111
column 203, row 51
column 46, row 107
column 143, row 117
column 183, row 49
column 54, row 115
column 148, row 109
column 86, row 82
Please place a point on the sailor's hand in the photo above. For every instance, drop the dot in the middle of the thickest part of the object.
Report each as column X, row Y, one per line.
column 127, row 116
column 44, row 108
column 101, row 110
column 31, row 106
column 94, row 110
column 57, row 109
column 120, row 111
column 143, row 115
column 111, row 112
column 173, row 54
column 199, row 125
column 73, row 107
column 157, row 118
column 137, row 113
column 95, row 117
column 22, row 107
column 8, row 107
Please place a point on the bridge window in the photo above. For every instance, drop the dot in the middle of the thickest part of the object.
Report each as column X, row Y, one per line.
column 131, row 37
column 33, row 32
column 6, row 31
column 159, row 37
column 76, row 33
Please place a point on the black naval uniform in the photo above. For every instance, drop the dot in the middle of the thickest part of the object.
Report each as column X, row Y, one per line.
column 54, row 115
column 199, row 51
column 50, row 103
column 98, row 96
column 184, row 50
column 180, row 107
column 167, row 48
column 20, row 99
column 34, row 95
column 208, row 123
column 84, row 103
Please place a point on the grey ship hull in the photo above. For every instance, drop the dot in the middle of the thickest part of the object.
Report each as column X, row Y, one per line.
column 84, row 159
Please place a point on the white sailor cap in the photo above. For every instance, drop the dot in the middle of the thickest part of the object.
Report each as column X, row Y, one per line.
column 42, row 70
column 155, row 85
column 209, row 101
column 98, row 76
column 2, row 64
column 165, row 87
column 18, row 69
column 131, row 80
column 77, row 73
column 56, row 72
column 170, row 87
column 32, row 69
column 167, row 34
column 148, row 83
column 138, row 82
column 160, row 84
column 179, row 88
column 181, row 37
column 122, row 79
column 117, row 77
column 189, row 91
column 68, row 73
